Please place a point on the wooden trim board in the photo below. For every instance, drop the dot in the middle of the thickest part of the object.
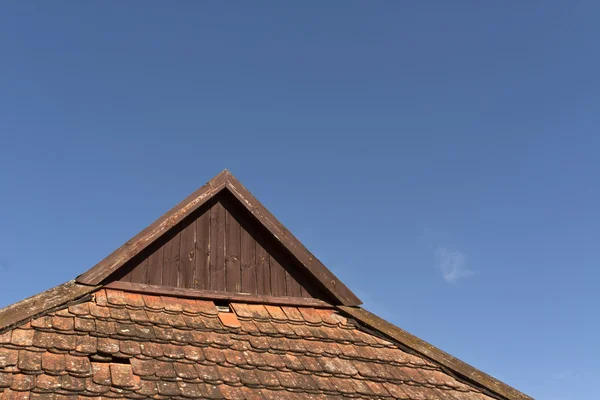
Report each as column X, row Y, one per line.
column 217, row 295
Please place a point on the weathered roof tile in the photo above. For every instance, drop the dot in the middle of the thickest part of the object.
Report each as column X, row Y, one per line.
column 53, row 364
column 79, row 366
column 5, row 379
column 29, row 361
column 22, row 337
column 48, row 382
column 86, row 344
column 72, row 383
column 80, row 309
column 85, row 324
column 10, row 394
column 122, row 375
column 185, row 371
column 101, row 373
column 22, row 382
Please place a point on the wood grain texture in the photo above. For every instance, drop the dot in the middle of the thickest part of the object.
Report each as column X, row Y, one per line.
column 155, row 267
column 248, row 262
column 217, row 254
column 277, row 277
column 232, row 254
column 263, row 270
column 171, row 261
column 202, row 270
column 187, row 255
column 140, row 272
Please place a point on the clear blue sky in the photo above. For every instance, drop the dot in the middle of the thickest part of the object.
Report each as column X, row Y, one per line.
column 442, row 158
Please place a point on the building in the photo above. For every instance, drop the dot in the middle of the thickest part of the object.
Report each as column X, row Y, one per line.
column 217, row 300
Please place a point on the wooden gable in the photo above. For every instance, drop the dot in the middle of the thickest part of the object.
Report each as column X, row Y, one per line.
column 220, row 240
column 220, row 247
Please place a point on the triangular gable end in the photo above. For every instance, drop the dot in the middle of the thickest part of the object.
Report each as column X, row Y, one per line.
column 220, row 242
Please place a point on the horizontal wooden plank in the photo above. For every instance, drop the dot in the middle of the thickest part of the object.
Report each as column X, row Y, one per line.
column 216, row 295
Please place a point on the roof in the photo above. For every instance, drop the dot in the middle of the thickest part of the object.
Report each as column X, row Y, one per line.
column 126, row 345
column 107, row 335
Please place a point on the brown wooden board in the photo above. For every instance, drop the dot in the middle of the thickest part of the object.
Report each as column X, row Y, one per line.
column 292, row 287
column 217, row 240
column 263, row 270
column 232, row 254
column 248, row 262
column 277, row 277
column 202, row 271
column 187, row 255
column 140, row 272
column 155, row 267
column 171, row 261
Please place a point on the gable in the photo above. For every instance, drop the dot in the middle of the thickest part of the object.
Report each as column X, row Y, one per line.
column 221, row 247
column 220, row 239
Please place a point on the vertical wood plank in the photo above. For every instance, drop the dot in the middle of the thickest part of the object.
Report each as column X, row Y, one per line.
column 232, row 255
column 187, row 256
column 155, row 267
column 292, row 287
column 126, row 277
column 202, row 273
column 139, row 273
column 171, row 261
column 217, row 241
column 263, row 270
column 277, row 278
column 248, row 262
column 303, row 292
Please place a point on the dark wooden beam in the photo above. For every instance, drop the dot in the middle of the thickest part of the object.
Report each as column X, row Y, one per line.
column 216, row 295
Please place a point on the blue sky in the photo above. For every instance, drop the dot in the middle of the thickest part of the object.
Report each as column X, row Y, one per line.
column 440, row 157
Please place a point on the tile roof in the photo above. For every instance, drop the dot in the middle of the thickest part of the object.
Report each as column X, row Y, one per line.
column 119, row 345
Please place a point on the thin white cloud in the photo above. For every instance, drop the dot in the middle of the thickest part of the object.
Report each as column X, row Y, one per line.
column 452, row 264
